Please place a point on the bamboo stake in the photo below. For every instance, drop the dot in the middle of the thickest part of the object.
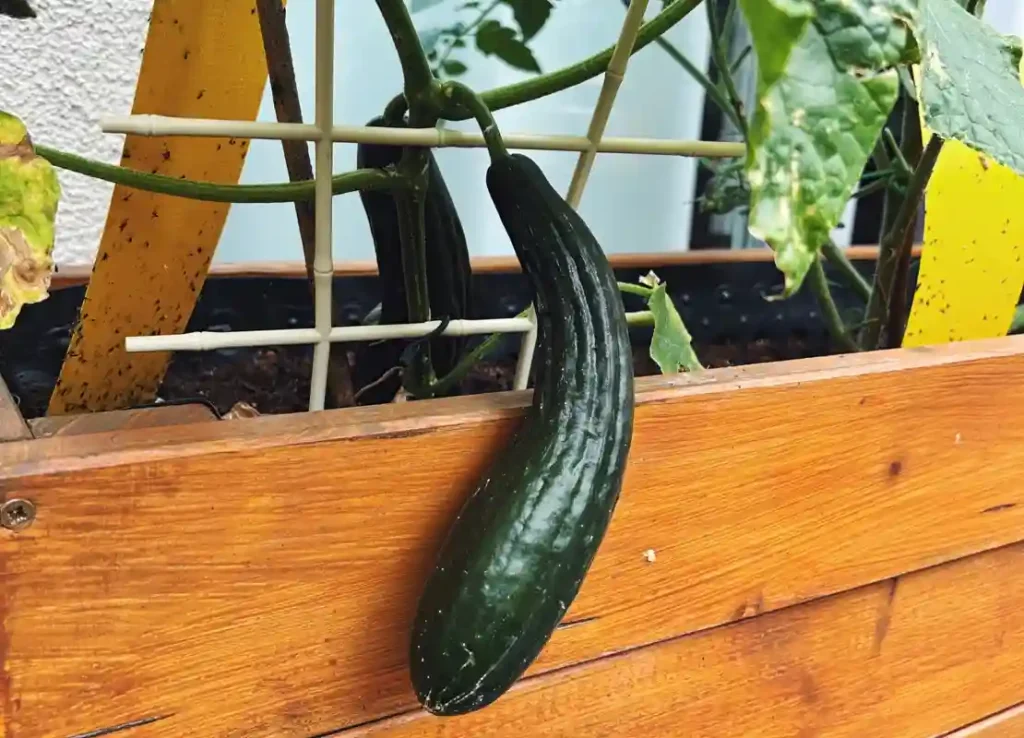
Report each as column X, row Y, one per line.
column 598, row 122
column 609, row 89
column 323, row 264
column 157, row 125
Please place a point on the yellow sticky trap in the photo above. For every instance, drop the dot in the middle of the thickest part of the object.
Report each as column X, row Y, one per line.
column 202, row 59
column 972, row 263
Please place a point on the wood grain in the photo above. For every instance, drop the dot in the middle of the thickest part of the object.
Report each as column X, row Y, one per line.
column 134, row 419
column 12, row 424
column 257, row 578
column 1004, row 724
column 906, row 658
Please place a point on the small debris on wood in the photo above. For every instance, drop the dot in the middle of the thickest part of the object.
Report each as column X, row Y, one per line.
column 650, row 556
column 241, row 410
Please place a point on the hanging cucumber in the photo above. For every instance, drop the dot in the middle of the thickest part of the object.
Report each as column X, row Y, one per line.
column 448, row 272
column 521, row 545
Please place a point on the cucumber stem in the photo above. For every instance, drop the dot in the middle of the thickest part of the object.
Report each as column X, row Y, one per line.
column 460, row 94
column 421, row 88
column 361, row 179
column 423, row 97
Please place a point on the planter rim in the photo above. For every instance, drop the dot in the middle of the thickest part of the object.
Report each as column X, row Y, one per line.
column 75, row 275
column 61, row 454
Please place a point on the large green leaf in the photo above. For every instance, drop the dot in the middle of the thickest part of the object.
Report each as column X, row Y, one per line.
column 827, row 83
column 970, row 87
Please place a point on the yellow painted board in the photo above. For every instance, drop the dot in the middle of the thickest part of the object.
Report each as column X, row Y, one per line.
column 202, row 59
column 972, row 263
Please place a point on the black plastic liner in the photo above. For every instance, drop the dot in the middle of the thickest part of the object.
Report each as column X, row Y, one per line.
column 721, row 303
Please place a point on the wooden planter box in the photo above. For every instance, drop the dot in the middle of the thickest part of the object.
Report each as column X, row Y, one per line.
column 823, row 547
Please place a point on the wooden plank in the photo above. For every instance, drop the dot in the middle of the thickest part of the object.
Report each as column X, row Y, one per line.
column 201, row 60
column 286, row 612
column 144, row 417
column 1005, row 724
column 12, row 424
column 906, row 658
column 74, row 275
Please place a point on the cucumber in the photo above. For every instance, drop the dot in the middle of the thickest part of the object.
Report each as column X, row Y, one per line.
column 448, row 272
column 521, row 545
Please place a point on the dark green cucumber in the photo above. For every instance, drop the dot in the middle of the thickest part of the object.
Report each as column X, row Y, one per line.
column 448, row 271
column 524, row 540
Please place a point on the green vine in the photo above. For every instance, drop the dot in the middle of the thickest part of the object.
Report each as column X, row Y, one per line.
column 361, row 179
column 458, row 94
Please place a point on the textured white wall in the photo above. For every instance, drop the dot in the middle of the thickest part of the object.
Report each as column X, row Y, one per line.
column 78, row 61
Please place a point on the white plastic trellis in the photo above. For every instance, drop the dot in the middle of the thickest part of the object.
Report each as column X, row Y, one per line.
column 324, row 133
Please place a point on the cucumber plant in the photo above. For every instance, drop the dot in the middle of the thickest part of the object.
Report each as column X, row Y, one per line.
column 830, row 73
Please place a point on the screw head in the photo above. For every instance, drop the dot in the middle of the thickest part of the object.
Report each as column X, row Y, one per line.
column 17, row 514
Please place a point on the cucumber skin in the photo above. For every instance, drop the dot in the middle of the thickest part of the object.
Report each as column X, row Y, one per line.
column 448, row 270
column 522, row 543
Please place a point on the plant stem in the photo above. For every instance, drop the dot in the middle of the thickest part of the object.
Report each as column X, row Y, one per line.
column 741, row 57
column 422, row 94
column 459, row 94
column 847, row 270
column 281, row 72
column 361, row 179
column 467, row 362
column 420, row 85
column 709, row 87
column 644, row 318
column 870, row 188
column 833, row 320
column 714, row 94
column 897, row 241
column 562, row 79
column 721, row 62
column 635, row 289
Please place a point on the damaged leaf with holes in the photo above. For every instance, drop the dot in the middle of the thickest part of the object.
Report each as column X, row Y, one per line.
column 827, row 83
column 29, row 192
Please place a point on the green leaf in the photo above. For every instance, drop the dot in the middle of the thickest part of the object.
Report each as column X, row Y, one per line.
column 826, row 85
column 531, row 15
column 29, row 193
column 970, row 86
column 492, row 38
column 727, row 189
column 453, row 67
column 671, row 347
